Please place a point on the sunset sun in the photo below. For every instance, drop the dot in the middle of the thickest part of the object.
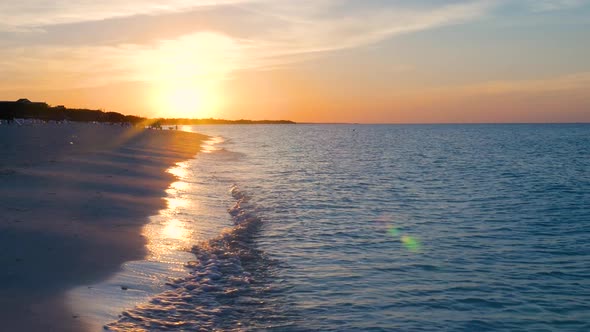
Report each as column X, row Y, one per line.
column 181, row 101
column 186, row 74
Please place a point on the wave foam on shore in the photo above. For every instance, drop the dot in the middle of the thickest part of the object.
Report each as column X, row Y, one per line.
column 206, row 299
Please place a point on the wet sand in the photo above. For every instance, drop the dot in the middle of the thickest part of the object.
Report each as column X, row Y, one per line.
column 73, row 200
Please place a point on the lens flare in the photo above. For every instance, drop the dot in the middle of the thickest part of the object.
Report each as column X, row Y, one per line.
column 411, row 243
column 393, row 231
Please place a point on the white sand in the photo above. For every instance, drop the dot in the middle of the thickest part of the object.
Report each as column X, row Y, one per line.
column 73, row 200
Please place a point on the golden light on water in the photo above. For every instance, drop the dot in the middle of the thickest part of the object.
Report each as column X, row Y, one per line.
column 174, row 203
column 177, row 186
column 175, row 229
column 180, row 170
column 168, row 233
column 167, row 239
column 210, row 144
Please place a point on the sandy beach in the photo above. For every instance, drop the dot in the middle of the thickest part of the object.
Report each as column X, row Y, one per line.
column 73, row 200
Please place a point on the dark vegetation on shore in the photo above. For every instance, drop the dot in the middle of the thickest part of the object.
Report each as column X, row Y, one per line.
column 25, row 109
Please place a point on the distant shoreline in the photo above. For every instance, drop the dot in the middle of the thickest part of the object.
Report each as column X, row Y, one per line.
column 441, row 123
column 196, row 122
column 26, row 109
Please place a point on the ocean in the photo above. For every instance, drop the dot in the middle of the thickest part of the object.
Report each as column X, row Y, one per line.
column 373, row 228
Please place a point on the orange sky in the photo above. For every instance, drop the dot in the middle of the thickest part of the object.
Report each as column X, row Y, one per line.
column 375, row 61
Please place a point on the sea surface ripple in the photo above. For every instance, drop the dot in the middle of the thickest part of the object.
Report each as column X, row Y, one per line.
column 388, row 227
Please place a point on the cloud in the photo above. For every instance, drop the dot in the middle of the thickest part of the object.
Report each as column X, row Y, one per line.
column 31, row 14
column 311, row 33
column 314, row 28
column 254, row 35
column 201, row 56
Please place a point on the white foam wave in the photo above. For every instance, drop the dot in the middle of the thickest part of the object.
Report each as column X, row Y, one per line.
column 205, row 300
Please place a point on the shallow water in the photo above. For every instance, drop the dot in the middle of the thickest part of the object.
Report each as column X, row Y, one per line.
column 358, row 227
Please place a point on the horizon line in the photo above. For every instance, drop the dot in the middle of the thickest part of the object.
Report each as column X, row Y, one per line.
column 437, row 123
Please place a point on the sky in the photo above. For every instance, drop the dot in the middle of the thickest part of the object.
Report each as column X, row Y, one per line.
column 370, row 61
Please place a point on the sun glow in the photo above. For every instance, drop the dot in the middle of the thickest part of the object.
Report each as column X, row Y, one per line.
column 184, row 101
column 187, row 73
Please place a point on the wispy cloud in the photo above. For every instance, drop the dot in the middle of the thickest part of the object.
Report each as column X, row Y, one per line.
column 280, row 33
column 31, row 14
column 308, row 33
column 201, row 56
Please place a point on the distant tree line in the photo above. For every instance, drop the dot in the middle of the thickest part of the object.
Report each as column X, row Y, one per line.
column 25, row 109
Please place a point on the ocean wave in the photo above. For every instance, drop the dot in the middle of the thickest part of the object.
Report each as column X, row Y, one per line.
column 226, row 155
column 219, row 285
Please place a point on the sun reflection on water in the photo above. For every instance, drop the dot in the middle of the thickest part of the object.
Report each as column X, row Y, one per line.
column 170, row 235
column 210, row 144
column 180, row 170
column 175, row 203
column 175, row 229
column 165, row 239
column 167, row 233
column 178, row 186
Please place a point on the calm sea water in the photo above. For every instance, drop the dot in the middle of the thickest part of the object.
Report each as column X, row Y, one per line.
column 378, row 228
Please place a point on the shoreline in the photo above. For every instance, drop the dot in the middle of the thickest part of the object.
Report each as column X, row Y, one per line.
column 73, row 200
